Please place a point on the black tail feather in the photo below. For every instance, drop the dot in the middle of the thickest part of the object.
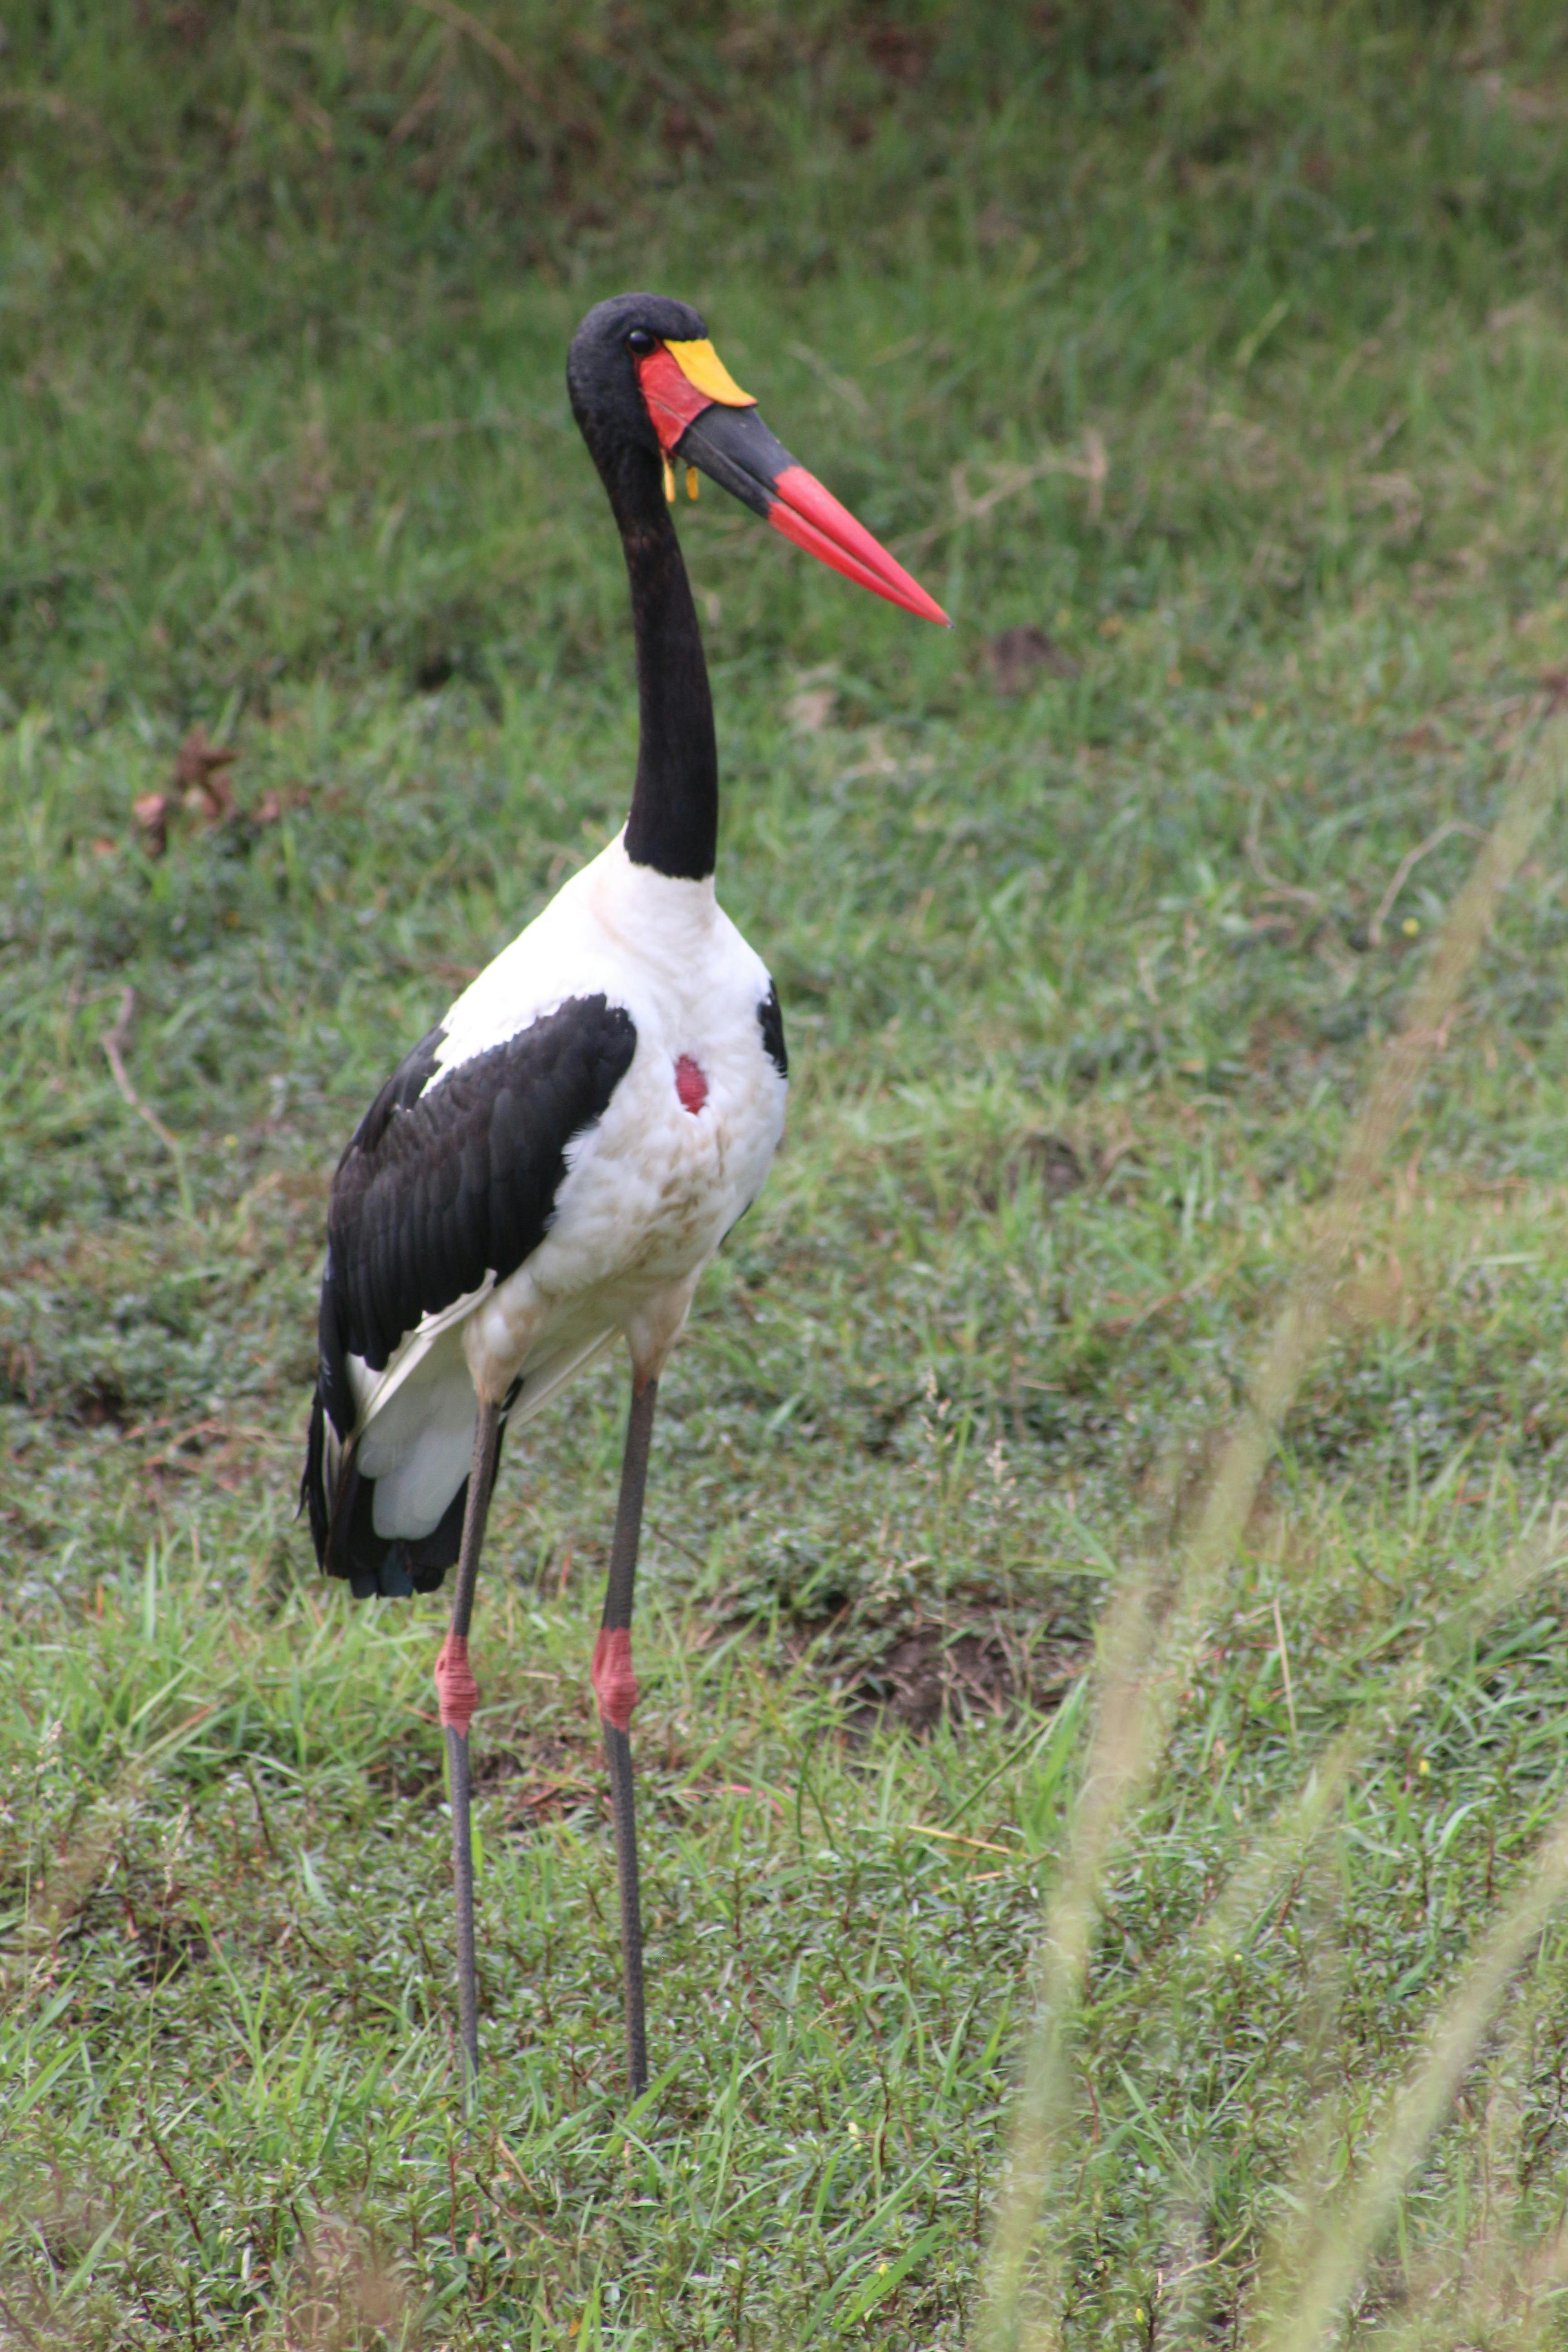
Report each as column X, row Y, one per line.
column 342, row 1525
column 313, row 1483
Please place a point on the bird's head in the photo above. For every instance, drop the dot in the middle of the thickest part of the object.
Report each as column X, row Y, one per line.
column 644, row 377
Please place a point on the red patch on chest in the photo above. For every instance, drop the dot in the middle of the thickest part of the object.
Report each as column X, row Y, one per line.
column 690, row 1085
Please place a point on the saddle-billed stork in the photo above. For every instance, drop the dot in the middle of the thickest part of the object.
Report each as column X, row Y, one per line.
column 557, row 1161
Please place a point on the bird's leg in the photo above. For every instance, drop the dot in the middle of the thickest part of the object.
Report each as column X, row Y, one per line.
column 460, row 1697
column 615, row 1686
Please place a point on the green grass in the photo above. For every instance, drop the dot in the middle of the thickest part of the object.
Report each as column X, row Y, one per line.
column 1227, row 345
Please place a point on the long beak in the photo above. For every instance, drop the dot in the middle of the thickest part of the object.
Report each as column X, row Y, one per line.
column 735, row 449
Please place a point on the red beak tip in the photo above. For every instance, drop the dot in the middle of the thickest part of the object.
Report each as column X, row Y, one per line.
column 804, row 512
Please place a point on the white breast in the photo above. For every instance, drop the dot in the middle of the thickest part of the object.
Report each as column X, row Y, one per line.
column 649, row 1193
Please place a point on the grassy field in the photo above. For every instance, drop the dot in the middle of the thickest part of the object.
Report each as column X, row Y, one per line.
column 1222, row 348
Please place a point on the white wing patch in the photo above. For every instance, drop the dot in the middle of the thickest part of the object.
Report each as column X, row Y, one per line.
column 373, row 1391
column 419, row 1448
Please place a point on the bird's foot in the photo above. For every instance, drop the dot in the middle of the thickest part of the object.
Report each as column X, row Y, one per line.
column 455, row 1685
column 615, row 1684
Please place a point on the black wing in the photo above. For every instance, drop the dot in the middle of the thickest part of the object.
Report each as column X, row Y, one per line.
column 441, row 1185
column 770, row 1020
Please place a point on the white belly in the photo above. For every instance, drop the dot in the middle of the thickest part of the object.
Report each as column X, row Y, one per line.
column 649, row 1196
column 649, row 1191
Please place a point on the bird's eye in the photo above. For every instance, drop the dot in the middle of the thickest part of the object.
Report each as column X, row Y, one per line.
column 640, row 342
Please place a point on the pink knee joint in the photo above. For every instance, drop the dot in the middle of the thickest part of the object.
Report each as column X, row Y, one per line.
column 614, row 1684
column 454, row 1684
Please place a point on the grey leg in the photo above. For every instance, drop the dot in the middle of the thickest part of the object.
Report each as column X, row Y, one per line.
column 460, row 1697
column 615, row 1686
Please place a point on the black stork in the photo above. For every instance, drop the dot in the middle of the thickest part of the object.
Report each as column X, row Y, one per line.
column 556, row 1162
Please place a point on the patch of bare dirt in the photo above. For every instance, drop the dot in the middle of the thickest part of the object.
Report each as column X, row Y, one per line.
column 1050, row 1159
column 100, row 1402
column 932, row 1674
column 1017, row 658
column 541, row 1777
column 166, row 1943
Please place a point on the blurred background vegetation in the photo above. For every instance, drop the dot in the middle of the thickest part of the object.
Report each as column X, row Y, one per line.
column 272, row 273
column 1206, row 360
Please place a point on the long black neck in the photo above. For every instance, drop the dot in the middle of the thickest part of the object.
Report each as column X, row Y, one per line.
column 674, row 821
